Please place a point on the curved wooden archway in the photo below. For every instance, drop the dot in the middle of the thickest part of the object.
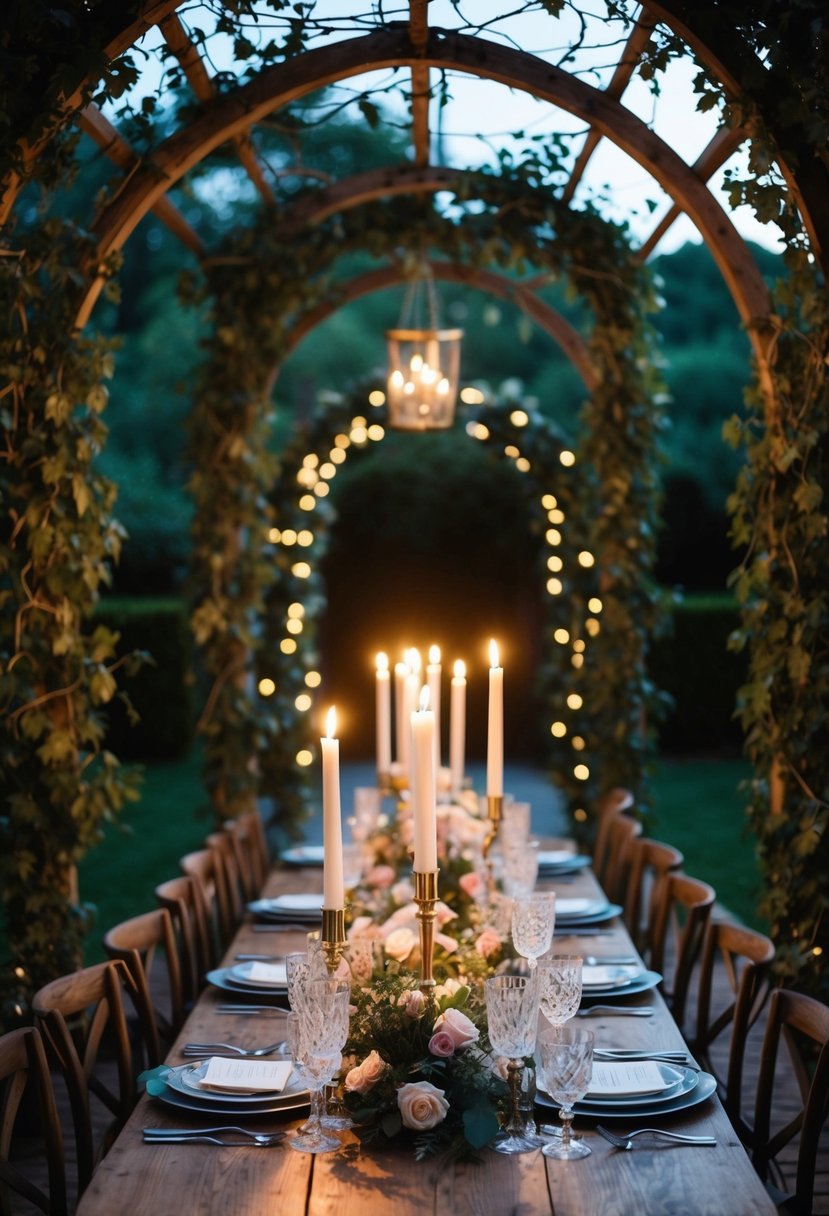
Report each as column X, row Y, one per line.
column 389, row 48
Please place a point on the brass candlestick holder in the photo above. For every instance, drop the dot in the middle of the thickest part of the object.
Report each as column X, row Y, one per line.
column 333, row 938
column 494, row 811
column 426, row 895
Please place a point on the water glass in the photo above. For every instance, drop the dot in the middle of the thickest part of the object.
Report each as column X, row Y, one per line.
column 533, row 921
column 515, row 823
column 318, row 1030
column 512, row 1022
column 559, row 987
column 519, row 868
column 565, row 1056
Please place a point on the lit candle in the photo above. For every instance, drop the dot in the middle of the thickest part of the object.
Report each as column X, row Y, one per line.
column 383, row 714
column 332, row 830
column 495, row 733
column 402, row 724
column 411, row 690
column 423, row 787
column 433, row 680
column 457, row 726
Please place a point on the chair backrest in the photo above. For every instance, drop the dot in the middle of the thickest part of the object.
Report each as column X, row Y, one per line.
column 207, row 869
column 799, row 1018
column 612, row 803
column 682, row 909
column 249, row 844
column 198, row 947
column 649, row 861
column 744, row 958
column 77, row 1015
column 23, row 1063
column 139, row 942
column 230, row 878
column 620, row 841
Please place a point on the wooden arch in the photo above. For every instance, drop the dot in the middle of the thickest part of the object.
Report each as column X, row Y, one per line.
column 387, row 48
column 547, row 318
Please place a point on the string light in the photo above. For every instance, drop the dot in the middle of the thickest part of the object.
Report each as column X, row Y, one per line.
column 303, row 702
column 307, row 502
column 586, row 559
column 555, row 586
column 321, row 489
column 567, row 459
column 519, row 417
column 523, row 465
column 313, row 679
column 266, row 687
column 595, row 605
column 305, row 538
column 296, row 609
column 337, row 455
column 294, row 625
column 288, row 646
column 274, row 536
column 377, row 397
column 558, row 730
column 574, row 700
column 301, row 570
column 511, row 450
column 304, row 758
column 553, row 536
column 555, row 563
column 581, row 772
column 471, row 396
column 562, row 636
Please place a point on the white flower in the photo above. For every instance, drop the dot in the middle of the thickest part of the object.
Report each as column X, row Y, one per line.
column 400, row 943
column 360, row 1079
column 421, row 1105
column 461, row 1028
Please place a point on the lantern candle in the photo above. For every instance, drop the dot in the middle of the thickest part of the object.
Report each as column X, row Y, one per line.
column 423, row 786
column 495, row 732
column 457, row 726
column 332, row 830
column 433, row 680
column 383, row 715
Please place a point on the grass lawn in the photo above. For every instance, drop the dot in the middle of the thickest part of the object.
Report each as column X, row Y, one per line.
column 698, row 809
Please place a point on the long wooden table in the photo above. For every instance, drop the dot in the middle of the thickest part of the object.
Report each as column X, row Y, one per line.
column 656, row 1179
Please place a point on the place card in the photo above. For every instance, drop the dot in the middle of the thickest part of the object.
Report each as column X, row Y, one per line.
column 618, row 1080
column 246, row 1076
column 275, row 974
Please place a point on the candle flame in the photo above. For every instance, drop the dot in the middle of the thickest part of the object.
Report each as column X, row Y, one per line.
column 424, row 697
column 382, row 661
column 493, row 653
column 331, row 724
column 460, row 669
column 434, row 654
column 413, row 659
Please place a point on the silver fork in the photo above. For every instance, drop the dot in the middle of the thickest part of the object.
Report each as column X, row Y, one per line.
column 616, row 1011
column 626, row 1142
column 264, row 1011
column 212, row 1049
column 248, row 1142
column 189, row 1133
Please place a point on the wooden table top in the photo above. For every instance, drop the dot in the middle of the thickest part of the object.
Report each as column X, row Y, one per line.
column 656, row 1179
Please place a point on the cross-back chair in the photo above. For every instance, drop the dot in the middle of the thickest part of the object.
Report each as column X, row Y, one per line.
column 799, row 1020
column 649, row 861
column 744, row 957
column 207, row 869
column 621, row 839
column 611, row 804
column 230, row 878
column 83, row 1020
column 198, row 945
column 147, row 944
column 682, row 909
column 23, row 1064
column 248, row 842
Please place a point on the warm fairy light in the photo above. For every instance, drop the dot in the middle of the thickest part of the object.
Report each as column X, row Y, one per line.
column 288, row 646
column 511, row 450
column 554, row 563
column 337, row 456
column 377, row 397
column 460, row 669
column 562, row 636
column 296, row 609
column 555, row 586
column 434, row 654
column 580, row 814
column 493, row 653
column 294, row 625
column 586, row 559
column 304, row 758
column 556, row 516
column 311, row 460
column 376, row 432
column 288, row 536
column 423, row 699
column 577, row 661
column 305, row 538
column 574, row 700
column 301, row 570
column 581, row 772
column 321, row 489
column 577, row 743
column 558, row 730
column 519, row 417
column 342, row 441
column 552, row 536
column 523, row 465
column 477, row 430
column 358, row 420
column 592, row 626
column 313, row 679
column 594, row 604
column 549, row 502
column 331, row 723
column 266, row 687
column 817, row 951
column 307, row 502
column 274, row 536
column 327, row 470
column 303, row 702
column 567, row 458
column 382, row 661
column 472, row 396
column 359, row 434
column 578, row 645
column 307, row 478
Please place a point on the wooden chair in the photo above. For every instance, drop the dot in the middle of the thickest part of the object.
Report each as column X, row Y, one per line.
column 611, row 804
column 800, row 1019
column 82, row 1018
column 745, row 957
column 198, row 946
column 621, row 838
column 649, row 860
column 682, row 908
column 249, row 844
column 138, row 942
column 23, row 1063
column 230, row 877
column 208, row 871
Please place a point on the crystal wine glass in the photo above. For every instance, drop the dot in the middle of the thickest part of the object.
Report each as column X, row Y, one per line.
column 566, row 1066
column 559, row 987
column 519, row 868
column 512, row 1021
column 301, row 969
column 318, row 1031
column 533, row 920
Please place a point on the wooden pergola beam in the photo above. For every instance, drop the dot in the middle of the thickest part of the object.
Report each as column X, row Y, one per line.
column 419, row 34
column 716, row 153
column 93, row 123
column 203, row 88
column 639, row 38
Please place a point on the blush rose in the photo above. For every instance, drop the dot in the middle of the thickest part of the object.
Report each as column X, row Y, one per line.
column 422, row 1105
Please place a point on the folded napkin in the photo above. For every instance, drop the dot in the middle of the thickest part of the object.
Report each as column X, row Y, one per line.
column 628, row 1078
column 275, row 974
column 246, row 1076
column 603, row 975
column 574, row 907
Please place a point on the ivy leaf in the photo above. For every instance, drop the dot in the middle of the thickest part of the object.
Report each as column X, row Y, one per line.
column 57, row 748
column 391, row 1123
column 480, row 1124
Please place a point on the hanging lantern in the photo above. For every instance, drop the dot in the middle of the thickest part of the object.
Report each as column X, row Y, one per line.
column 424, row 362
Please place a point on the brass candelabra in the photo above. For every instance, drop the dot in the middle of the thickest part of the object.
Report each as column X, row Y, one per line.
column 426, row 895
column 333, row 938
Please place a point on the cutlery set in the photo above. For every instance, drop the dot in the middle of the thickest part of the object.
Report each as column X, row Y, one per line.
column 616, row 1011
column 263, row 1011
column 661, row 1057
column 201, row 1050
column 212, row 1135
column 626, row 1142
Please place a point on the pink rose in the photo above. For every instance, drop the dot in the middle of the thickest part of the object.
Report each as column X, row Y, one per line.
column 380, row 876
column 488, row 943
column 462, row 1030
column 449, row 944
column 360, row 1079
column 400, row 943
column 471, row 884
column 442, row 1044
column 421, row 1105
column 413, row 1002
column 443, row 914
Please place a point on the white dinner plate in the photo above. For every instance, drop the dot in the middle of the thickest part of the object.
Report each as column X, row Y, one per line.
column 608, row 978
column 221, row 978
column 644, row 981
column 700, row 1090
column 243, row 973
column 673, row 1082
column 603, row 912
column 185, row 1080
column 186, row 1101
column 305, row 907
column 304, row 855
